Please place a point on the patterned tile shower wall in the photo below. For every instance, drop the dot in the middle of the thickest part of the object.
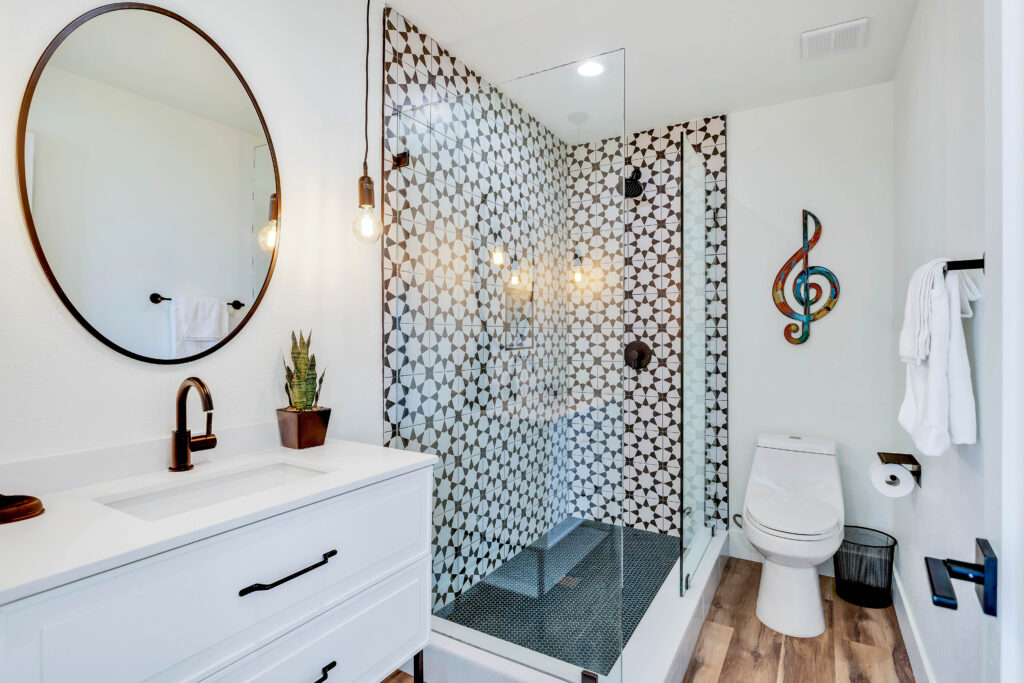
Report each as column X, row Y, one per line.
column 526, row 436
column 595, row 317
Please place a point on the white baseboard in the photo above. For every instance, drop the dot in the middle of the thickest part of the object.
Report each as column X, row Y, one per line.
column 740, row 548
column 919, row 662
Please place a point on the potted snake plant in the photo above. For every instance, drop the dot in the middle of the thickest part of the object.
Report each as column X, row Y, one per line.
column 303, row 424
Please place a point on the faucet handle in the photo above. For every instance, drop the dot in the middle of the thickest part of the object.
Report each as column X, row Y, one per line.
column 206, row 441
column 202, row 443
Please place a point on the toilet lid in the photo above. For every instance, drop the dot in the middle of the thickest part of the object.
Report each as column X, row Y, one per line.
column 792, row 515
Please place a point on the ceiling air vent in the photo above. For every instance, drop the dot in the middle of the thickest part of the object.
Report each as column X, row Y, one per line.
column 831, row 40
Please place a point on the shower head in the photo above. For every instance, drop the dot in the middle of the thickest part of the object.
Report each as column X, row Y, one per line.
column 632, row 187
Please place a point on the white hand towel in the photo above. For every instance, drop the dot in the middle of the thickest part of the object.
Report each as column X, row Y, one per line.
column 197, row 323
column 963, row 421
column 925, row 410
column 915, row 336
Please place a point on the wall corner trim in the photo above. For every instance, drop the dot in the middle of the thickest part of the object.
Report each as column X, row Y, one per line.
column 919, row 661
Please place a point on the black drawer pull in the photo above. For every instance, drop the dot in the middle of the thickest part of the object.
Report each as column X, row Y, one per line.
column 267, row 586
column 325, row 672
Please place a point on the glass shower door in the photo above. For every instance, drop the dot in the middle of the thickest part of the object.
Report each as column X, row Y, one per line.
column 696, row 527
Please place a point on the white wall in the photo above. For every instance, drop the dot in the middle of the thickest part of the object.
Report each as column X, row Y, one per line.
column 831, row 155
column 941, row 210
column 64, row 391
column 1004, row 24
column 98, row 210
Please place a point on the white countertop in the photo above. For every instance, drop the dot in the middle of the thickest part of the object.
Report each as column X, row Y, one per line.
column 77, row 537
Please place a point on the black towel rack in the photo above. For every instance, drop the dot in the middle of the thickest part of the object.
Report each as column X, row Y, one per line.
column 159, row 298
column 966, row 264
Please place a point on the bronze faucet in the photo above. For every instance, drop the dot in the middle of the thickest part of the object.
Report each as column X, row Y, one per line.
column 184, row 444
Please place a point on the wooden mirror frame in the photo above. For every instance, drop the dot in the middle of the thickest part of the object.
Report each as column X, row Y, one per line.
column 26, row 103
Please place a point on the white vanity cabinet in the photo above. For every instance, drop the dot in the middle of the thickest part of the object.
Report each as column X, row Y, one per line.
column 217, row 609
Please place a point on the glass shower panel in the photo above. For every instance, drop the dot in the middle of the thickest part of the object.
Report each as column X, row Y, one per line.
column 504, row 268
column 696, row 529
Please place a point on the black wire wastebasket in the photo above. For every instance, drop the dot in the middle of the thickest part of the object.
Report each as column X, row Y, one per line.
column 863, row 566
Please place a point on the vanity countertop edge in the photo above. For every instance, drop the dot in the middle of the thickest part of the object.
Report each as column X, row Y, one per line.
column 78, row 537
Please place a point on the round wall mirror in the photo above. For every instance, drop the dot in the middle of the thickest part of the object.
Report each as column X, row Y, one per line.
column 149, row 183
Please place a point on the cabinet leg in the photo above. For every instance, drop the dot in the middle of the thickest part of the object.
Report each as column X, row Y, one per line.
column 417, row 667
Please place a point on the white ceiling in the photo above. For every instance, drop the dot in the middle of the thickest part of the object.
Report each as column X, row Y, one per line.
column 158, row 58
column 575, row 108
column 684, row 58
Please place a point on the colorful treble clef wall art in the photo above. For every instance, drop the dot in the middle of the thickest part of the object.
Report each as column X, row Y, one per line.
column 806, row 293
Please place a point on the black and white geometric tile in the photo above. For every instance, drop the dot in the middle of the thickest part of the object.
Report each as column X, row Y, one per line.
column 529, row 436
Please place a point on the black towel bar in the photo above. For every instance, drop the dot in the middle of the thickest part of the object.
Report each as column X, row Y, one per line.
column 158, row 298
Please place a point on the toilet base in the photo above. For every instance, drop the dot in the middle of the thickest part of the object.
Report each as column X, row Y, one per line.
column 789, row 600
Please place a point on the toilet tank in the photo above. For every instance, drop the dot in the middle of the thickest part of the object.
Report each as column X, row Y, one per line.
column 795, row 465
column 799, row 444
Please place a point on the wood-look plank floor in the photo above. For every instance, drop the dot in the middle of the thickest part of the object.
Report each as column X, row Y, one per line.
column 859, row 645
column 398, row 677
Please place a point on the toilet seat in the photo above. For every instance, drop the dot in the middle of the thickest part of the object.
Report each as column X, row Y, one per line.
column 796, row 518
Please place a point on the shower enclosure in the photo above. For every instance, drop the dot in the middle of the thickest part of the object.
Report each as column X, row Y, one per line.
column 512, row 285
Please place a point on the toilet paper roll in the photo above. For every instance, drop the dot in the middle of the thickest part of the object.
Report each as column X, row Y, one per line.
column 891, row 480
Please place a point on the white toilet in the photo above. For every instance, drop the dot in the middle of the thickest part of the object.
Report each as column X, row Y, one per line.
column 793, row 516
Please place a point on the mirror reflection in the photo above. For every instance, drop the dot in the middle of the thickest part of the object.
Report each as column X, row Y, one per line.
column 151, row 185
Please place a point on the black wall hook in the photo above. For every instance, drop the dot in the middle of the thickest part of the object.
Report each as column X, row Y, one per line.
column 966, row 264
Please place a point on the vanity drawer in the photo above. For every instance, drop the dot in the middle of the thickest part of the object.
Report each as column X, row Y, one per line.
column 180, row 616
column 366, row 638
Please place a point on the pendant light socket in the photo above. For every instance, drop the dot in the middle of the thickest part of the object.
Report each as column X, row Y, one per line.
column 267, row 237
column 365, row 190
column 272, row 212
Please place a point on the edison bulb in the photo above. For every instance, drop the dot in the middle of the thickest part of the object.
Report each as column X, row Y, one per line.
column 367, row 226
column 577, row 276
column 514, row 280
column 268, row 237
column 498, row 256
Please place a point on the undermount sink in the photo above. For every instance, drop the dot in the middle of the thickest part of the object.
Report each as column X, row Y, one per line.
column 152, row 503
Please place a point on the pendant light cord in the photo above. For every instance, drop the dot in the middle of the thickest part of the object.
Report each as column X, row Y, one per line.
column 366, row 96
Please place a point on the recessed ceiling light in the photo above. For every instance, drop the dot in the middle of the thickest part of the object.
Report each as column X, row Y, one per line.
column 590, row 69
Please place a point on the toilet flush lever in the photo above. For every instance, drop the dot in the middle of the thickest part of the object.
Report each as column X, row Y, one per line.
column 983, row 573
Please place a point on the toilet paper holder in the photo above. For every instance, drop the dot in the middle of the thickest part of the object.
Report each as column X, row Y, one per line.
column 906, row 460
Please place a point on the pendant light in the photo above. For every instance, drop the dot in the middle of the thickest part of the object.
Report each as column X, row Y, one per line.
column 268, row 235
column 577, row 267
column 366, row 226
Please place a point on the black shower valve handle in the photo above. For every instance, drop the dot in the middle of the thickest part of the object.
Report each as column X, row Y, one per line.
column 638, row 354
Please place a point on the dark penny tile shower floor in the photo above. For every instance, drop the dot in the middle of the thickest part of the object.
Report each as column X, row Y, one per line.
column 578, row 613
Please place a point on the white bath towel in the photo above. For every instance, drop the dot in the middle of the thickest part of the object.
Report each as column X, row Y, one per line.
column 963, row 421
column 938, row 407
column 925, row 410
column 915, row 336
column 197, row 323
